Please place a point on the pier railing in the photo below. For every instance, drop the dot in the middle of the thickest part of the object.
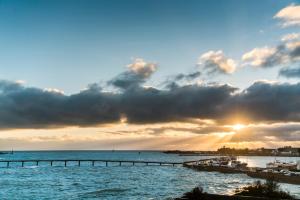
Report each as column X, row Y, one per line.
column 78, row 162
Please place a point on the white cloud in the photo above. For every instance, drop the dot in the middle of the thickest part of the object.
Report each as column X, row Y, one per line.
column 290, row 37
column 287, row 52
column 258, row 56
column 289, row 16
column 293, row 45
column 139, row 66
column 217, row 62
column 21, row 82
column 54, row 90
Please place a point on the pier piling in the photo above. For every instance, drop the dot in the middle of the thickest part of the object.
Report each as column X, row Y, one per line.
column 93, row 161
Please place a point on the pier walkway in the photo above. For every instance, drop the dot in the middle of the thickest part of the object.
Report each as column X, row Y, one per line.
column 78, row 162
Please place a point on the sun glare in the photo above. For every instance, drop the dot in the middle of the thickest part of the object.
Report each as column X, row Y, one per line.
column 238, row 127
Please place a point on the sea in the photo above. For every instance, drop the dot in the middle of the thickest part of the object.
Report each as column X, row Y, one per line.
column 114, row 182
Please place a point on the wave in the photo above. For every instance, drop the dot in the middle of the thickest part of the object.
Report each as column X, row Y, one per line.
column 31, row 167
column 104, row 192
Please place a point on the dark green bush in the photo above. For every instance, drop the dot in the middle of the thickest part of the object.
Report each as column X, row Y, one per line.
column 269, row 189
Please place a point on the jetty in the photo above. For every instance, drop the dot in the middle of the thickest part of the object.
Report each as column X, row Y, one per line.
column 92, row 162
column 261, row 173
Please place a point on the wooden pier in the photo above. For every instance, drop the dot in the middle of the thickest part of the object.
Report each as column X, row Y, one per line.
column 92, row 162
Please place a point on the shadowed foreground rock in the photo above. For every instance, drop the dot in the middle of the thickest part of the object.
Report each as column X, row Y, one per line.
column 197, row 194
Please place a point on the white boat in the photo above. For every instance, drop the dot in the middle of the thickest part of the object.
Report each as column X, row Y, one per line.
column 274, row 164
column 283, row 165
column 238, row 164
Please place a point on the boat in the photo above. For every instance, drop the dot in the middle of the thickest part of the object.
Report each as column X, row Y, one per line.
column 281, row 165
column 233, row 158
column 238, row 164
column 224, row 160
column 274, row 164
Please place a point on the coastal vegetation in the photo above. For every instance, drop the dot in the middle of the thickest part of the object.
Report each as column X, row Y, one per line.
column 268, row 190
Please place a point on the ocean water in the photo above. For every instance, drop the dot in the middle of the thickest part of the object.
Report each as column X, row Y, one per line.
column 116, row 182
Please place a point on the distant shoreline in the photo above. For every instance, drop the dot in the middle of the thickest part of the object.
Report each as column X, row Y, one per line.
column 238, row 155
column 215, row 153
column 177, row 152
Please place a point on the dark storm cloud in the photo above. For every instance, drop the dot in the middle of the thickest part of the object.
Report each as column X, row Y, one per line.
column 295, row 53
column 190, row 76
column 172, row 82
column 26, row 107
column 282, row 132
column 265, row 101
column 33, row 108
column 192, row 101
column 127, row 80
column 290, row 72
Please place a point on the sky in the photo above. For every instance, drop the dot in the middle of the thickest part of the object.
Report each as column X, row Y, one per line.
column 131, row 74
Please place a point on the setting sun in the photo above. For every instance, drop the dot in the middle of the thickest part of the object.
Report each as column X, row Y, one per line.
column 238, row 127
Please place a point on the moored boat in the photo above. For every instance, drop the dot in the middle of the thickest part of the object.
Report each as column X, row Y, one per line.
column 281, row 165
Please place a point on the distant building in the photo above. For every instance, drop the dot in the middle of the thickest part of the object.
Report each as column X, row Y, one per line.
column 283, row 151
column 265, row 151
column 288, row 151
column 275, row 152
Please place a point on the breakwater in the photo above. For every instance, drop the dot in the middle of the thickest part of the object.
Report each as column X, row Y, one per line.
column 259, row 174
